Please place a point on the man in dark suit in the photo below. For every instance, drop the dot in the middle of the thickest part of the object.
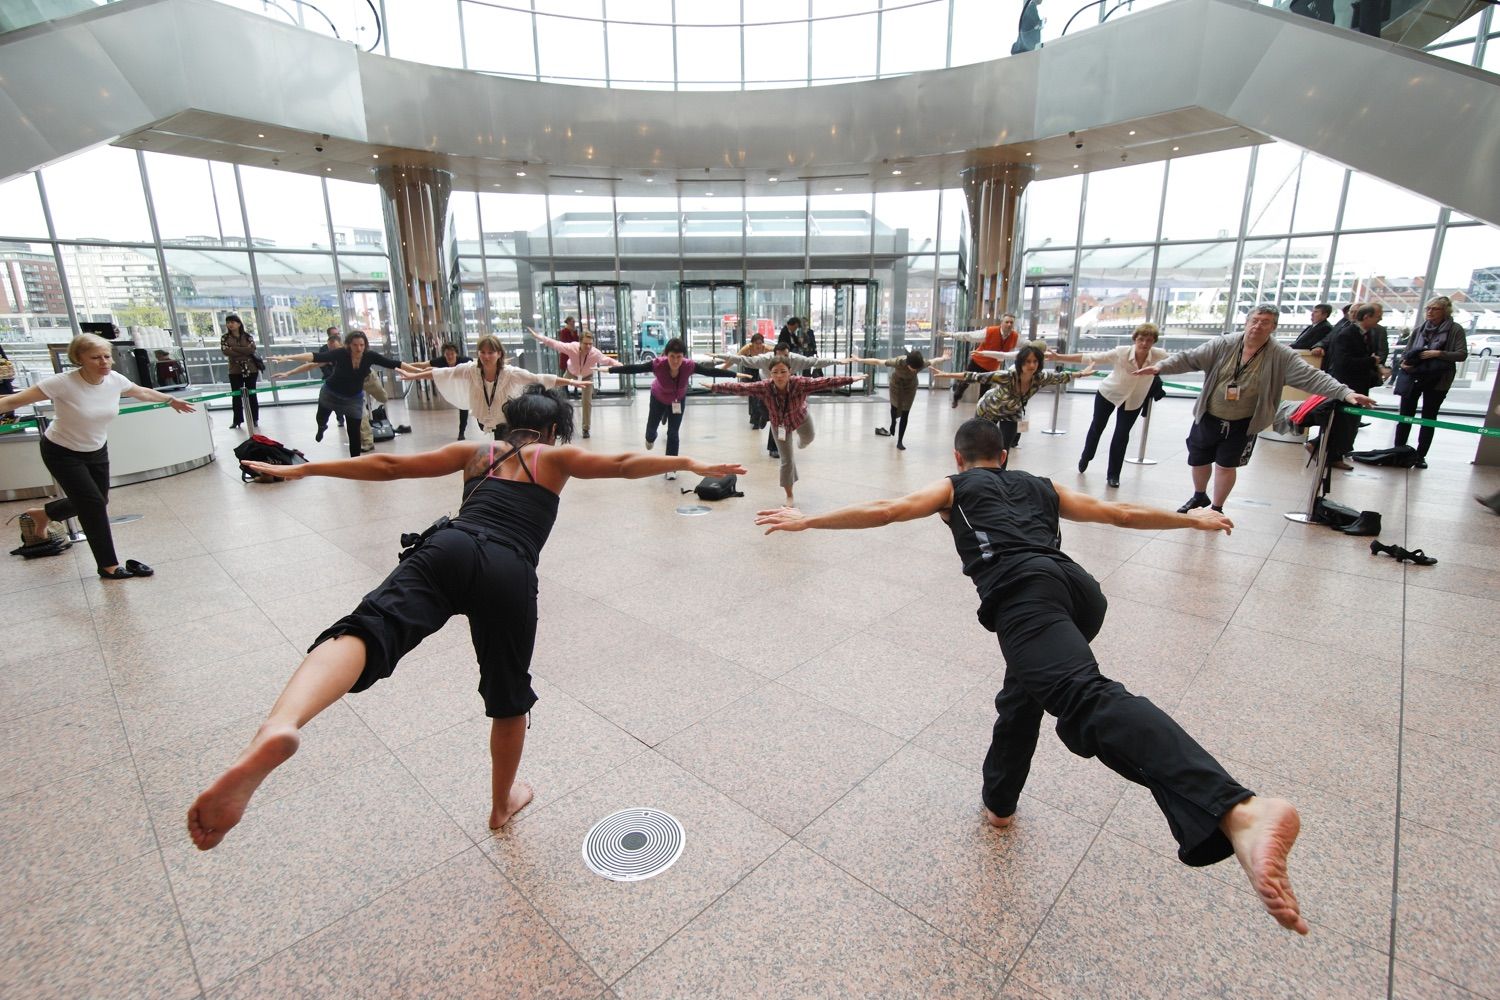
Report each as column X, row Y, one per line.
column 1317, row 331
column 1351, row 361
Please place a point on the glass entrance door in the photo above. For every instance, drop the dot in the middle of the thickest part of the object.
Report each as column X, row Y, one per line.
column 368, row 306
column 601, row 307
column 842, row 314
column 1047, row 312
column 711, row 316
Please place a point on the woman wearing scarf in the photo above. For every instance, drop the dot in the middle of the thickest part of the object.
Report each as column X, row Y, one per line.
column 1436, row 347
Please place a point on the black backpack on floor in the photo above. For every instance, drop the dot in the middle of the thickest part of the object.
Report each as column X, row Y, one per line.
column 259, row 448
column 381, row 428
column 1403, row 456
column 720, row 488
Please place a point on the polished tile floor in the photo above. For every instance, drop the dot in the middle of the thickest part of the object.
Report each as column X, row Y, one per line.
column 814, row 710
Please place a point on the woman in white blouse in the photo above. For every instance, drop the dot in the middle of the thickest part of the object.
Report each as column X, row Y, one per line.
column 482, row 387
column 1121, row 393
column 75, row 449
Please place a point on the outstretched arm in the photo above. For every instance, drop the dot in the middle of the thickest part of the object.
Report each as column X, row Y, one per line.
column 296, row 371
column 644, row 368
column 583, row 464
column 380, row 467
column 872, row 514
column 711, row 372
column 19, row 399
column 148, row 395
column 1077, row 506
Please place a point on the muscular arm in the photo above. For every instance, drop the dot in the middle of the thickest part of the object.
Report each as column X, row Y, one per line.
column 583, row 464
column 1081, row 507
column 380, row 467
column 872, row 514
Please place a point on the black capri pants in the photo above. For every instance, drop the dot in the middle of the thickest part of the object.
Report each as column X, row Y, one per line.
column 84, row 478
column 452, row 573
column 1044, row 620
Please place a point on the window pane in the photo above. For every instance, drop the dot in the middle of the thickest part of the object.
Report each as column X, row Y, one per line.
column 1123, row 204
column 208, row 285
column 1275, row 191
column 1052, row 211
column 571, row 50
column 1373, row 203
column 1260, row 279
column 955, row 208
column 840, row 224
column 583, row 225
column 1383, row 267
column 647, row 227
column 707, row 55
column 97, row 195
column 844, row 48
column 981, row 27
column 423, row 31
column 32, row 307
column 466, row 220
column 21, row 208
column 713, row 226
column 1192, row 287
column 912, row 39
column 196, row 201
column 906, row 222
column 777, row 228
column 119, row 285
column 639, row 53
column 1206, row 195
column 1317, row 195
column 1050, row 263
column 286, row 209
column 1111, row 297
column 358, row 221
column 513, row 223
column 776, row 53
column 300, row 295
column 1307, row 263
column 499, row 41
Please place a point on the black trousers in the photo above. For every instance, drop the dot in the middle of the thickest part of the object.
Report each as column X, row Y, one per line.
column 1124, row 422
column 1045, row 620
column 899, row 419
column 84, row 478
column 658, row 413
column 236, row 383
column 1432, row 402
column 463, row 422
column 960, row 387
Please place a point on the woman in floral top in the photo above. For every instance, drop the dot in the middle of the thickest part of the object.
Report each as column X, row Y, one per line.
column 1011, row 389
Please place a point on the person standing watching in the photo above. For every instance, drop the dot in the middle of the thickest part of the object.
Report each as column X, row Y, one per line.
column 1428, row 368
column 992, row 338
column 1244, row 374
column 75, row 447
column 1352, row 362
column 568, row 334
column 1314, row 333
column 244, row 367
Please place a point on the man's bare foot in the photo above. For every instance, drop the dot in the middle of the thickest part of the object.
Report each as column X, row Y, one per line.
column 998, row 822
column 1262, row 832
column 520, row 794
column 219, row 808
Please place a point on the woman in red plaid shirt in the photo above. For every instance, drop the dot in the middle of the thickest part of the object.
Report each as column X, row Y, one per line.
column 785, row 396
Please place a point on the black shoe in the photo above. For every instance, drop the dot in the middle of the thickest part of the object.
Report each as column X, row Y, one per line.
column 321, row 431
column 900, row 446
column 585, row 432
column 1083, row 465
column 1194, row 502
column 882, row 432
column 1113, row 484
column 1216, row 508
column 1421, row 464
column 235, row 427
column 774, row 454
column 1366, row 525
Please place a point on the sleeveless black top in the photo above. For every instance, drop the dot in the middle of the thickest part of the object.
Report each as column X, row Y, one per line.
column 1000, row 520
column 512, row 512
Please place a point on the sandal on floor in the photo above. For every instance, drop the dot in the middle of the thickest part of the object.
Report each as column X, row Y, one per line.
column 118, row 573
column 138, row 568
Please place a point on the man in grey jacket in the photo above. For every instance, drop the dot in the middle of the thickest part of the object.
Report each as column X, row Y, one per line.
column 1243, row 378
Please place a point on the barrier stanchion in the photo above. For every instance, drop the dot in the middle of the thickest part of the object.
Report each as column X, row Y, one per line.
column 1320, row 472
column 1140, row 455
column 1057, row 395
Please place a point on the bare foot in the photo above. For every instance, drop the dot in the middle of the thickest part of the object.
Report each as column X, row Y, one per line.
column 520, row 794
column 219, row 808
column 40, row 520
column 998, row 822
column 1262, row 832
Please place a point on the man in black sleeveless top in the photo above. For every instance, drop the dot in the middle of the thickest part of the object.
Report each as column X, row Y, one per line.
column 1045, row 608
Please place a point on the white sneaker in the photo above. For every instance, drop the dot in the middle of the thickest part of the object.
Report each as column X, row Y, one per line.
column 650, row 443
column 672, row 475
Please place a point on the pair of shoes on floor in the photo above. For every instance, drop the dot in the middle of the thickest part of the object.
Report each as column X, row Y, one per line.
column 131, row 568
column 1364, row 526
column 1194, row 502
column 1399, row 554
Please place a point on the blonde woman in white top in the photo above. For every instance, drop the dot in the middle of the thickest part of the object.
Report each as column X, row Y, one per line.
column 483, row 387
column 75, row 447
column 1121, row 393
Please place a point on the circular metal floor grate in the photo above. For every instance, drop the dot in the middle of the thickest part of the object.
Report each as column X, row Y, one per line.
column 692, row 510
column 633, row 844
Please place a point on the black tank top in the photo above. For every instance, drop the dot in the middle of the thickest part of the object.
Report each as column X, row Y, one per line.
column 517, row 513
column 1000, row 520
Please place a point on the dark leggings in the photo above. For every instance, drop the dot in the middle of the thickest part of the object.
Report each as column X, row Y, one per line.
column 663, row 411
column 84, row 478
column 350, row 423
column 463, row 422
column 1432, row 402
column 1124, row 421
column 899, row 417
column 1045, row 621
column 246, row 382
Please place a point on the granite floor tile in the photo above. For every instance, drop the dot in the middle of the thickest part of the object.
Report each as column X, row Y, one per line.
column 428, row 693
column 1414, row 984
column 1215, row 598
column 780, row 755
column 613, row 925
column 913, row 832
column 1142, row 918
column 948, row 630
column 48, row 746
column 1449, row 907
column 567, row 747
column 304, row 617
column 797, row 927
column 1167, row 552
column 1445, row 650
column 28, row 685
column 1451, row 787
column 1458, row 612
column 1316, row 546
column 899, row 687
column 1464, row 711
column 460, row 930
column 51, row 636
column 298, row 863
column 178, row 648
column 116, row 935
column 22, row 576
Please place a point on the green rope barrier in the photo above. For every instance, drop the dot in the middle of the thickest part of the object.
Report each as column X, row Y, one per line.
column 1446, row 425
column 24, row 425
column 221, row 395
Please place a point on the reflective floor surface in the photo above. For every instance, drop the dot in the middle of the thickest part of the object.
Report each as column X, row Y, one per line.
column 812, row 708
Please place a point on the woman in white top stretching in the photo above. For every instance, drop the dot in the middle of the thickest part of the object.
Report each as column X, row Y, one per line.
column 75, row 448
column 484, row 387
column 1121, row 393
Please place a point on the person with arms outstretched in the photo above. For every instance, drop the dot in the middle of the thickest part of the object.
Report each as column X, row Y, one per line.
column 481, row 564
column 671, row 374
column 1045, row 609
column 903, row 389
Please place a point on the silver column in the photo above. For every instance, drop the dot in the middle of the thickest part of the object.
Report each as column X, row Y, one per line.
column 418, row 219
column 995, row 218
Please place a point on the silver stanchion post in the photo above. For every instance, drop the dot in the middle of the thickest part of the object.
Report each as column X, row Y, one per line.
column 245, row 397
column 1320, row 465
column 1140, row 456
column 1057, row 395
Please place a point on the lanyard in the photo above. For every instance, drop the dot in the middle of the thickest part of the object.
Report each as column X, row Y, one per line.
column 490, row 389
column 1234, row 378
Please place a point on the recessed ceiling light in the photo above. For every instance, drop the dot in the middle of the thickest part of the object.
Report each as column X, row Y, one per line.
column 838, row 189
column 773, row 180
column 895, row 173
column 1176, row 148
column 1075, row 166
column 1132, row 131
column 1028, row 154
column 375, row 155
column 496, row 184
column 329, row 169
column 520, row 173
column 650, row 180
column 709, row 193
column 578, row 190
column 917, row 183
column 261, row 134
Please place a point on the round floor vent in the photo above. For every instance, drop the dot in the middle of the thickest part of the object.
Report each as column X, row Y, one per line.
column 633, row 844
column 692, row 510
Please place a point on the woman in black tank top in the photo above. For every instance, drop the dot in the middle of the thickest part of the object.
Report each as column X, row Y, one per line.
column 481, row 564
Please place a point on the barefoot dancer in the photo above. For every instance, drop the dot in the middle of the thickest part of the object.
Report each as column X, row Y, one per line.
column 1045, row 609
column 482, row 565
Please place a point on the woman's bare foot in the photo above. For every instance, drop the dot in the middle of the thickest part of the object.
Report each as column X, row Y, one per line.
column 520, row 794
column 1262, row 832
column 998, row 822
column 220, row 807
column 40, row 520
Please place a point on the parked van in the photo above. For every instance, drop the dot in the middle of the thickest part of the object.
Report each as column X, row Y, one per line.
column 651, row 337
